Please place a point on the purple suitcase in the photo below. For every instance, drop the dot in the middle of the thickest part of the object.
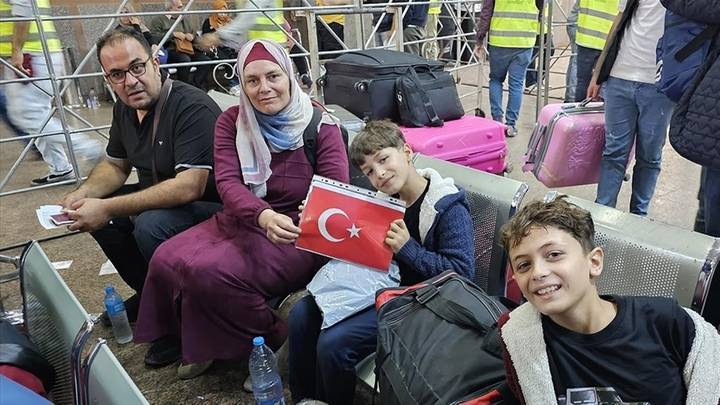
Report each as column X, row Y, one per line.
column 470, row 141
column 566, row 145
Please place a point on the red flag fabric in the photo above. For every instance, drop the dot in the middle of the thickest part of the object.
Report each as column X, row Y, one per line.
column 348, row 223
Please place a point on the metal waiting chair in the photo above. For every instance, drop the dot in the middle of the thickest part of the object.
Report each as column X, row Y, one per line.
column 492, row 200
column 649, row 258
column 59, row 326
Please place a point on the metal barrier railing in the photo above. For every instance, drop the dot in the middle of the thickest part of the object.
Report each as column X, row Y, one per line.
column 456, row 12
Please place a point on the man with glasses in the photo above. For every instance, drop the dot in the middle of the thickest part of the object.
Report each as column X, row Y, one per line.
column 164, row 130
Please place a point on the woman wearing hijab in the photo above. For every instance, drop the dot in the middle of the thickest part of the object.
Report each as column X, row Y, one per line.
column 216, row 21
column 206, row 290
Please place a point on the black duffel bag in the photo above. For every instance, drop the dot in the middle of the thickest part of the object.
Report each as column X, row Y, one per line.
column 427, row 98
column 363, row 82
column 438, row 344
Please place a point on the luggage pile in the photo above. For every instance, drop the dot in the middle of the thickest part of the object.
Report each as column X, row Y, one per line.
column 421, row 97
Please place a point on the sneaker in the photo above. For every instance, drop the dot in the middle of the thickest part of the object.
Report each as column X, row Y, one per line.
column 188, row 371
column 164, row 351
column 308, row 401
column 53, row 178
column 132, row 306
column 510, row 131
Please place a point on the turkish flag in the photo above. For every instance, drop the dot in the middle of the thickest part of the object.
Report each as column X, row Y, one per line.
column 348, row 223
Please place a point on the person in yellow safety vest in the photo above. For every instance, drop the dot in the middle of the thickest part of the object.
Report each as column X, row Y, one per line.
column 512, row 26
column 431, row 49
column 29, row 105
column 595, row 17
column 270, row 25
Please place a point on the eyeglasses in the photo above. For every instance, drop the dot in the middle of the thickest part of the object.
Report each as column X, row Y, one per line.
column 136, row 69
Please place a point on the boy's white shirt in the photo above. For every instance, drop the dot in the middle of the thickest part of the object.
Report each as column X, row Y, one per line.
column 525, row 342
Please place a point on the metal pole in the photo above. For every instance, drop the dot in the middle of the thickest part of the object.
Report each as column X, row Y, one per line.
column 540, row 63
column 56, row 90
column 310, row 19
column 548, row 53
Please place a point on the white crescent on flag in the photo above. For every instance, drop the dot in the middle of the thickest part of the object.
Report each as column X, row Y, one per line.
column 322, row 219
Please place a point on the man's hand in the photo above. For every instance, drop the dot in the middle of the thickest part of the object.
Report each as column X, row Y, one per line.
column 178, row 35
column 397, row 235
column 593, row 91
column 189, row 37
column 17, row 60
column 480, row 53
column 70, row 199
column 208, row 41
column 90, row 214
column 279, row 228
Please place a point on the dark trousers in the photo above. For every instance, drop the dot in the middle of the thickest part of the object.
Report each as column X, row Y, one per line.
column 586, row 58
column 129, row 243
column 711, row 203
column 531, row 75
column 200, row 77
column 322, row 363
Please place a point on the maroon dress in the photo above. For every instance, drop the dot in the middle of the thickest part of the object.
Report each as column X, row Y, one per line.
column 220, row 273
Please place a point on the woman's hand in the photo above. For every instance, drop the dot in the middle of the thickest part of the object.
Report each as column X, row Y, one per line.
column 397, row 235
column 279, row 228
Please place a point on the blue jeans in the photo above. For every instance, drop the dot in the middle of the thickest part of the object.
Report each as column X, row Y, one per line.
column 635, row 113
column 511, row 62
column 711, row 196
column 586, row 58
column 322, row 363
column 129, row 243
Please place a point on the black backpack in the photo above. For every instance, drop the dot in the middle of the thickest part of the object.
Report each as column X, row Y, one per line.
column 438, row 343
column 357, row 177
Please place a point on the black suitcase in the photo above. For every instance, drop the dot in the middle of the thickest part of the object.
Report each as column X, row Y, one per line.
column 363, row 82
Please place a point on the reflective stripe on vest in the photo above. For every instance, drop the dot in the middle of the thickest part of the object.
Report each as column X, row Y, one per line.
column 32, row 42
column 595, row 18
column 435, row 7
column 514, row 24
column 266, row 28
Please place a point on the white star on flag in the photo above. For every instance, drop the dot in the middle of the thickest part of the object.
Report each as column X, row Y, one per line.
column 354, row 231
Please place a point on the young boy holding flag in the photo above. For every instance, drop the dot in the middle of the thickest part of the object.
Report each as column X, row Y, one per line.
column 435, row 235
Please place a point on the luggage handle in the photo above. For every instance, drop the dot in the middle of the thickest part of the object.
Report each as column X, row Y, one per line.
column 446, row 309
column 435, row 121
column 534, row 142
column 380, row 62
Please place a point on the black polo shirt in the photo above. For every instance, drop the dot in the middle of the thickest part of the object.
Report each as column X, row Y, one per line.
column 184, row 138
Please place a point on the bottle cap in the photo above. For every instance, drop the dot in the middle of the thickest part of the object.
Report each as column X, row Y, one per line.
column 109, row 289
column 258, row 341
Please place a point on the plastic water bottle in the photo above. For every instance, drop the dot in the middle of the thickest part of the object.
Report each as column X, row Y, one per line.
column 118, row 317
column 266, row 383
column 93, row 101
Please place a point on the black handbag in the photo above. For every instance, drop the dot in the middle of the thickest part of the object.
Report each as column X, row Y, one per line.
column 427, row 99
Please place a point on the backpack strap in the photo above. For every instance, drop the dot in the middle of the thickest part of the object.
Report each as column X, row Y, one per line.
column 310, row 138
column 707, row 34
column 435, row 121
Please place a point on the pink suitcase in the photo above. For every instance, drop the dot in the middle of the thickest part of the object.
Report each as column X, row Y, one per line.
column 566, row 145
column 470, row 141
